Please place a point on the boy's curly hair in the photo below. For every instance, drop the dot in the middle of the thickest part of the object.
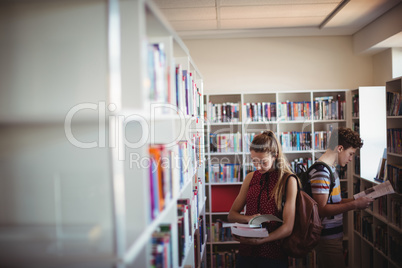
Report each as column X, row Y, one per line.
column 345, row 137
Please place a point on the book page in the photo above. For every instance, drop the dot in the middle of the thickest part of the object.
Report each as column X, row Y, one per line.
column 258, row 220
column 377, row 190
column 248, row 232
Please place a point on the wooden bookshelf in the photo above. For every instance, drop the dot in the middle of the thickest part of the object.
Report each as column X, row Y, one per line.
column 91, row 88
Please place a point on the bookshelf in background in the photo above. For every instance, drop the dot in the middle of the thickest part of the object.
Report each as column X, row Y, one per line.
column 118, row 184
column 302, row 121
column 377, row 230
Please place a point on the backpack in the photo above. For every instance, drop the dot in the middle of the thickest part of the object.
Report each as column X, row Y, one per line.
column 307, row 226
column 304, row 175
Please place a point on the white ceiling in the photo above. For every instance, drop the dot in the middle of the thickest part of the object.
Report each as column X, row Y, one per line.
column 246, row 18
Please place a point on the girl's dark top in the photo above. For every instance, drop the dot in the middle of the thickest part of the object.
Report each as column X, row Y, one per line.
column 261, row 186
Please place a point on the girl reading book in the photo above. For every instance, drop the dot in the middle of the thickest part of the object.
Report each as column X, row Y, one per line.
column 262, row 192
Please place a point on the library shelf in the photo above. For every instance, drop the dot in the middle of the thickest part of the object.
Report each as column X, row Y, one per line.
column 310, row 112
column 377, row 233
column 81, row 139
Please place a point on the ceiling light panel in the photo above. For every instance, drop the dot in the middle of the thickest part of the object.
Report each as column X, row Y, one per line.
column 271, row 23
column 180, row 14
column 275, row 2
column 184, row 3
column 194, row 25
column 276, row 11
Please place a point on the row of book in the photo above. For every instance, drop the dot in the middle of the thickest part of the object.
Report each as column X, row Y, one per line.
column 260, row 111
column 224, row 259
column 223, row 112
column 321, row 139
column 223, row 173
column 161, row 241
column 355, row 105
column 394, row 140
column 309, row 261
column 294, row 111
column 157, row 73
column 295, row 141
column 357, row 164
column 225, row 142
column 396, row 212
column 161, row 247
column 189, row 98
column 394, row 107
column 217, row 233
column 168, row 172
column 381, row 238
column 357, row 221
column 306, row 162
column 382, row 206
column 290, row 141
column 326, row 108
column 395, row 249
column 367, row 228
column 190, row 228
column 394, row 174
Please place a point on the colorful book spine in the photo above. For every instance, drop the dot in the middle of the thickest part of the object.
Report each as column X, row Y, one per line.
column 161, row 247
column 326, row 108
column 157, row 73
column 295, row 141
column 225, row 142
column 294, row 111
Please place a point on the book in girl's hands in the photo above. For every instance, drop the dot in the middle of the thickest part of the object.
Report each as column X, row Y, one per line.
column 253, row 228
column 258, row 220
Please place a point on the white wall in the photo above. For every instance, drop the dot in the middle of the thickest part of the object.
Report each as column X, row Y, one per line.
column 396, row 62
column 280, row 63
column 382, row 66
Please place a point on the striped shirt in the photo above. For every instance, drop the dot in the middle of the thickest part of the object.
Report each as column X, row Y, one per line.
column 320, row 184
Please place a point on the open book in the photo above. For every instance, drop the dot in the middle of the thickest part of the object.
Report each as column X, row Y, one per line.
column 377, row 190
column 253, row 228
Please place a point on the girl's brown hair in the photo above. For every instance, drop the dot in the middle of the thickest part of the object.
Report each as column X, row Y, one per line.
column 267, row 142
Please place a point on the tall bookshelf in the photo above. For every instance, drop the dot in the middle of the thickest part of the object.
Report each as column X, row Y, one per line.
column 374, row 228
column 89, row 106
column 295, row 118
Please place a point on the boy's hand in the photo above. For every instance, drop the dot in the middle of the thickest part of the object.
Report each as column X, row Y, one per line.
column 363, row 202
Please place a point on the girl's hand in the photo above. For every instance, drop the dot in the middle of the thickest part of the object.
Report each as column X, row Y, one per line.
column 249, row 240
column 252, row 216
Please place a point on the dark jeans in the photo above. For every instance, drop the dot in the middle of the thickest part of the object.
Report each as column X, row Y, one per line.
column 259, row 262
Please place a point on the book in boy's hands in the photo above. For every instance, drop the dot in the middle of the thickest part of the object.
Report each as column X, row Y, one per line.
column 377, row 190
column 253, row 228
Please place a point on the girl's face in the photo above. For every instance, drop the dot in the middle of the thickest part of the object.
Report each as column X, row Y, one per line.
column 345, row 156
column 262, row 161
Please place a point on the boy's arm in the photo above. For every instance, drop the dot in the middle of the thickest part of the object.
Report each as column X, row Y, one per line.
column 327, row 210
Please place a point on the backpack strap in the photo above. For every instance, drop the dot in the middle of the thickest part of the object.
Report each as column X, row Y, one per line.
column 286, row 188
column 331, row 176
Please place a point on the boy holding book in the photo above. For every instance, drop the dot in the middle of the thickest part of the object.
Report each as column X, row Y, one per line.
column 343, row 144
